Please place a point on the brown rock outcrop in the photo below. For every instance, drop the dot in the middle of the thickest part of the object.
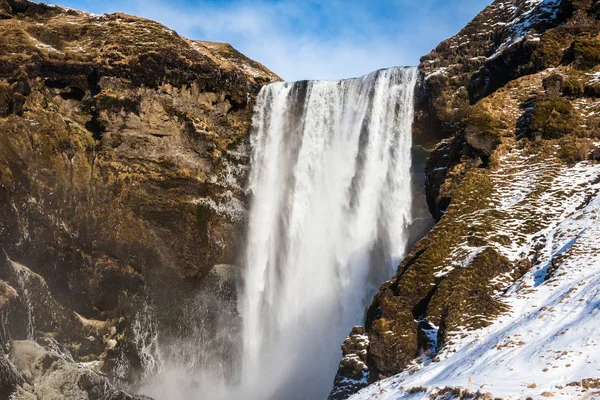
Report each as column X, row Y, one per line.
column 122, row 165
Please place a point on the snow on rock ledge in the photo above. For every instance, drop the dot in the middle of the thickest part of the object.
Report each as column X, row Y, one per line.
column 548, row 343
column 353, row 372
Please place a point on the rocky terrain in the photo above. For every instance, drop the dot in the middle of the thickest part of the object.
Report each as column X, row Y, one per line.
column 122, row 162
column 500, row 299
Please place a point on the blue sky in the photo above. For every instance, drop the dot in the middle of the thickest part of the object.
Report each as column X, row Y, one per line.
column 309, row 39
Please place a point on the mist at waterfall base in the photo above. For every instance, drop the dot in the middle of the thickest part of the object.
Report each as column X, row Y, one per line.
column 328, row 224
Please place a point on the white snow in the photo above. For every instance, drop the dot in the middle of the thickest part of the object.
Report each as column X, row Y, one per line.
column 551, row 336
column 526, row 15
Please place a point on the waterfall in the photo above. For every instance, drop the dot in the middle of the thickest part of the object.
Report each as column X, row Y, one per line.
column 331, row 201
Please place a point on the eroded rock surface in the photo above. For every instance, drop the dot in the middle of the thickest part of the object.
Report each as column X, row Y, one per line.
column 48, row 374
column 122, row 163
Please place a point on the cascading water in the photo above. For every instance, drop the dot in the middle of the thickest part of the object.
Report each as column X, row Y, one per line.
column 331, row 203
column 330, row 181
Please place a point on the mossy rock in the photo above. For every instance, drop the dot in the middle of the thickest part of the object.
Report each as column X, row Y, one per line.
column 573, row 87
column 6, row 100
column 554, row 118
column 548, row 52
column 482, row 130
column 569, row 85
column 553, row 85
column 10, row 102
column 585, row 53
column 573, row 149
column 467, row 294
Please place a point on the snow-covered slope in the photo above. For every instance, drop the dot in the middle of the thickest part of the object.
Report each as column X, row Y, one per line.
column 548, row 345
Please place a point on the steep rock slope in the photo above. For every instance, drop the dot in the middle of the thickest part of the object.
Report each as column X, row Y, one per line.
column 502, row 291
column 122, row 162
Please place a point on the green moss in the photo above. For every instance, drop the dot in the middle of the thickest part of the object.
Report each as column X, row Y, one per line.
column 549, row 51
column 481, row 119
column 573, row 87
column 553, row 118
column 466, row 295
column 482, row 130
column 573, row 150
column 586, row 53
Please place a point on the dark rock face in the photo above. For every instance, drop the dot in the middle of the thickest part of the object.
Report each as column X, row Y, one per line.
column 48, row 374
column 122, row 163
column 10, row 379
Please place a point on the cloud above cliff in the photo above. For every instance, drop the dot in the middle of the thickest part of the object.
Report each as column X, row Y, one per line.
column 310, row 39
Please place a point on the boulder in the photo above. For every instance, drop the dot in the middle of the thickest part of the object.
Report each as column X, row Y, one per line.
column 50, row 375
column 553, row 85
column 10, row 379
column 553, row 118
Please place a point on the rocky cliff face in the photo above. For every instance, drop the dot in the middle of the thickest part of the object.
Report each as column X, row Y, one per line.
column 122, row 162
column 513, row 185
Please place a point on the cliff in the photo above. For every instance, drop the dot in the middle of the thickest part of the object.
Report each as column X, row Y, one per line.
column 498, row 299
column 122, row 162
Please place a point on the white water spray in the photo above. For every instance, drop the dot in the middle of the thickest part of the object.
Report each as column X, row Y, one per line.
column 331, row 203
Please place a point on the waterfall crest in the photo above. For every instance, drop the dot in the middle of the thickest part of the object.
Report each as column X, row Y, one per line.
column 331, row 201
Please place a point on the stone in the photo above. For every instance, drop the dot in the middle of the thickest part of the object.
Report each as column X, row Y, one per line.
column 553, row 85
column 353, row 373
column 10, row 379
column 51, row 375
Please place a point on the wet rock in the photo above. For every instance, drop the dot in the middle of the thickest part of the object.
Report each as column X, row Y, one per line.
column 50, row 375
column 224, row 281
column 10, row 379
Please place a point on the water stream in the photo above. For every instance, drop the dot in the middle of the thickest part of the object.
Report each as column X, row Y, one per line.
column 331, row 190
